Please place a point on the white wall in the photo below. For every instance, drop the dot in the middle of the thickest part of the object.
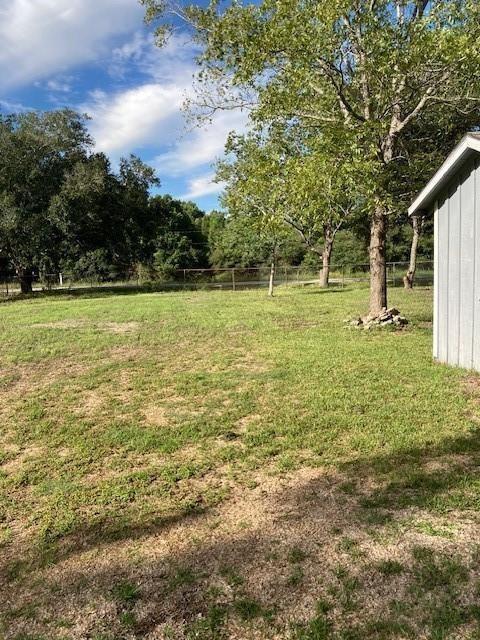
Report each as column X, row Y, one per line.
column 457, row 277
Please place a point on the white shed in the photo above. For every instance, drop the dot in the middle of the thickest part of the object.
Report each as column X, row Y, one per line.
column 453, row 195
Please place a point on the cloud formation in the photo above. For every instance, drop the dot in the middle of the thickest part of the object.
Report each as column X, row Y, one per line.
column 96, row 56
column 148, row 114
column 202, row 186
column 141, row 116
column 40, row 39
column 201, row 146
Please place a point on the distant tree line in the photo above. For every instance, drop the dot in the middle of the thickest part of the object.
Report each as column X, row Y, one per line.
column 63, row 208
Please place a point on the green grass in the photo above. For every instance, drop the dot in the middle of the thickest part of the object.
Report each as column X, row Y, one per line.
column 131, row 424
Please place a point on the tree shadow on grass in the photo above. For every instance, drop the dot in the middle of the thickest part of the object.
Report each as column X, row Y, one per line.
column 331, row 289
column 97, row 292
column 384, row 547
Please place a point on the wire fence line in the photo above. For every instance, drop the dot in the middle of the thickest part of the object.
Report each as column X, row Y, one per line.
column 233, row 279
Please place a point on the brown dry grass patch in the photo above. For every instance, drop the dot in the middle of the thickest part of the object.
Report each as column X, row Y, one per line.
column 253, row 535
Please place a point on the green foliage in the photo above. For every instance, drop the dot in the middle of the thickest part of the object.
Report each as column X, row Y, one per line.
column 318, row 628
column 390, row 567
column 286, row 178
column 209, row 627
column 248, row 609
column 37, row 152
column 178, row 241
column 125, row 592
column 349, row 249
column 241, row 245
column 62, row 208
column 351, row 78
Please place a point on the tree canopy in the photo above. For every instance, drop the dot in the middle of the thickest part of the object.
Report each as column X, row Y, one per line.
column 357, row 70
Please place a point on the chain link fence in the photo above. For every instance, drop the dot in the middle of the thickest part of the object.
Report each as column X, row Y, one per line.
column 232, row 279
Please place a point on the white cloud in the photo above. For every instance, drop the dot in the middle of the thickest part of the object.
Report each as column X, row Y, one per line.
column 44, row 41
column 201, row 146
column 173, row 63
column 8, row 106
column 202, row 186
column 43, row 37
column 59, row 85
column 148, row 114
column 137, row 117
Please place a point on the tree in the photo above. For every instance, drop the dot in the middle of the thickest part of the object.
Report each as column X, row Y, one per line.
column 255, row 189
column 288, row 178
column 238, row 243
column 138, row 227
column 417, row 226
column 213, row 226
column 85, row 210
column 37, row 150
column 178, row 241
column 321, row 192
column 362, row 69
column 103, row 218
column 424, row 147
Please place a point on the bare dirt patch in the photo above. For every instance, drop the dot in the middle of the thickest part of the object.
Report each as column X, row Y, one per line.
column 72, row 323
column 119, row 327
column 156, row 415
column 85, row 323
column 22, row 457
column 89, row 403
column 252, row 364
column 471, row 384
column 23, row 378
column 126, row 353
column 243, row 424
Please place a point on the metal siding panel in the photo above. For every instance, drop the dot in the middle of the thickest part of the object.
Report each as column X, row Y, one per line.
column 466, row 266
column 435, row 279
column 476, row 284
column 442, row 279
column 453, row 275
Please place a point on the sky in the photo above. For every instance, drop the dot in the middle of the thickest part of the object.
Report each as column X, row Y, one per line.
column 98, row 56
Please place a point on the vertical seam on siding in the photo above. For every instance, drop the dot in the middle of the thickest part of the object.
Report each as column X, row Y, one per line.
column 447, row 283
column 459, row 297
column 436, row 291
column 474, row 275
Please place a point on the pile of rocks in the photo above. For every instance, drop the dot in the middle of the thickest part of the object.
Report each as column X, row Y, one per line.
column 386, row 318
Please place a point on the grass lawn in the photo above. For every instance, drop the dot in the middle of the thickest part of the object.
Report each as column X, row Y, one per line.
column 216, row 465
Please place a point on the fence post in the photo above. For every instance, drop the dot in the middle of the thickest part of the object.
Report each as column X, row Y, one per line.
column 233, row 279
column 393, row 274
column 61, row 279
column 343, row 276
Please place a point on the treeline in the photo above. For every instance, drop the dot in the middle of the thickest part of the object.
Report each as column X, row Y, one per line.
column 64, row 209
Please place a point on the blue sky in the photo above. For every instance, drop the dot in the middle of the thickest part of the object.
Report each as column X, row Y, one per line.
column 97, row 56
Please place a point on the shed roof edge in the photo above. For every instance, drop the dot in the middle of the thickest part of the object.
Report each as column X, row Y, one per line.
column 469, row 143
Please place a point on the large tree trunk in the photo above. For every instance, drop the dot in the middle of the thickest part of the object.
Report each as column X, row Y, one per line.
column 378, row 266
column 417, row 223
column 272, row 278
column 25, row 279
column 329, row 237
